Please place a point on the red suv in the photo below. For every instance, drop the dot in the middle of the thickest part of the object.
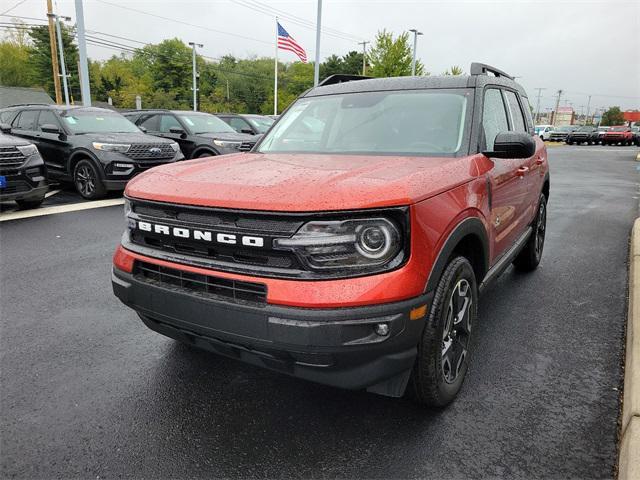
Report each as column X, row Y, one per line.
column 618, row 135
column 350, row 246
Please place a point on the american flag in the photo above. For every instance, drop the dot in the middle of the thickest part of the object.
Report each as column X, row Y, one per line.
column 286, row 42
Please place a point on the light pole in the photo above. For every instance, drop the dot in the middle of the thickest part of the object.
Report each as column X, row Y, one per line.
column 316, row 66
column 364, row 56
column 538, row 103
column 82, row 48
column 61, row 51
column 195, row 74
column 415, row 46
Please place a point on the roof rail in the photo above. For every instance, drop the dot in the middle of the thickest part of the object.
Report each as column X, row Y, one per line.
column 341, row 78
column 482, row 69
column 28, row 104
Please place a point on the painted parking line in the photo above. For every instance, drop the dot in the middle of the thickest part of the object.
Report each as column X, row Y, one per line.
column 51, row 193
column 74, row 207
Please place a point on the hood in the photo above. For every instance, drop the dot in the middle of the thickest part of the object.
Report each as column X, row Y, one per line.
column 230, row 136
column 124, row 138
column 11, row 141
column 301, row 182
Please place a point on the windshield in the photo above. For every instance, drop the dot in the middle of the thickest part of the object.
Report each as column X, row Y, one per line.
column 619, row 129
column 585, row 129
column 78, row 121
column 424, row 122
column 261, row 124
column 565, row 129
column 205, row 123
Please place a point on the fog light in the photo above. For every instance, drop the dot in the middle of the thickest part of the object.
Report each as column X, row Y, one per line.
column 382, row 329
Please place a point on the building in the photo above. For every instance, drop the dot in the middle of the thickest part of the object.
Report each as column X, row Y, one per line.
column 564, row 116
column 19, row 95
column 631, row 116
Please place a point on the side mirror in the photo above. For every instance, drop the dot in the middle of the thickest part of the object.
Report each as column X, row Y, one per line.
column 512, row 145
column 178, row 131
column 5, row 128
column 143, row 129
column 50, row 128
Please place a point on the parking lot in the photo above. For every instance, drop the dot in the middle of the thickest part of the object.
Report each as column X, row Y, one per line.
column 88, row 390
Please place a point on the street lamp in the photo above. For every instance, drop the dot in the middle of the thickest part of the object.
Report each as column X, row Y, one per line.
column 415, row 45
column 195, row 74
column 61, row 50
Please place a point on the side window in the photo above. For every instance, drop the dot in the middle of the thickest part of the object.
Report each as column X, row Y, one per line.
column 167, row 122
column 26, row 120
column 517, row 119
column 150, row 122
column 47, row 117
column 494, row 116
column 238, row 124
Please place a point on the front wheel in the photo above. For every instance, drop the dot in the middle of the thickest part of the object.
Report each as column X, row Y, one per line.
column 529, row 258
column 443, row 351
column 87, row 180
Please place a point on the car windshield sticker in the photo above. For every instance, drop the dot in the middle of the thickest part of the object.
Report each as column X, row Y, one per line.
column 71, row 120
column 189, row 121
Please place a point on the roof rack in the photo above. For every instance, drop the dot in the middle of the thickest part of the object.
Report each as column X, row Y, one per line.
column 341, row 78
column 28, row 104
column 483, row 68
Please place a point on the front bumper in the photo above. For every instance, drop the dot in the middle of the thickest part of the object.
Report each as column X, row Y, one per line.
column 336, row 346
column 23, row 186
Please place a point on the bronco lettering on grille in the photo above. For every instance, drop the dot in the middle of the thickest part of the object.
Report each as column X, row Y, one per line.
column 204, row 235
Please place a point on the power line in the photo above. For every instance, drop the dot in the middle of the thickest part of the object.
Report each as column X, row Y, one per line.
column 15, row 6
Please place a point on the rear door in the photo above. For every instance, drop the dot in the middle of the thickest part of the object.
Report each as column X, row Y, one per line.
column 24, row 125
column 508, row 177
column 54, row 151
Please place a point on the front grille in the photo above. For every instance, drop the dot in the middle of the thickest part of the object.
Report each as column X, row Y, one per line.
column 246, row 146
column 150, row 151
column 11, row 157
column 204, row 285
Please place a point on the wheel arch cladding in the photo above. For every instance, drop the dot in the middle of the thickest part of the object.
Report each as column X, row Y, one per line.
column 468, row 239
column 75, row 157
column 546, row 186
column 200, row 150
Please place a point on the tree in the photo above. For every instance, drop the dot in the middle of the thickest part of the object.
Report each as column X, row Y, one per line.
column 613, row 116
column 352, row 62
column 392, row 58
column 40, row 59
column 331, row 66
column 455, row 70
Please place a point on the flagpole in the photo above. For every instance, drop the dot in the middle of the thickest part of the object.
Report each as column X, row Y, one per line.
column 275, row 85
column 316, row 67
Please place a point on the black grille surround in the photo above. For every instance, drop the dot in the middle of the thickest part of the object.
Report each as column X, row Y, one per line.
column 150, row 151
column 205, row 285
column 262, row 261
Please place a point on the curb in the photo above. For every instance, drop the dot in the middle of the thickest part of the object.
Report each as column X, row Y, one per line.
column 629, row 460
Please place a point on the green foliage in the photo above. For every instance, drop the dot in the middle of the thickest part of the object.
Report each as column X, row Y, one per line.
column 454, row 70
column 15, row 68
column 613, row 116
column 392, row 58
column 40, row 59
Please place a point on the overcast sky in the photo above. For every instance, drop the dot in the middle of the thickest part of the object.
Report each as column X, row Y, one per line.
column 582, row 47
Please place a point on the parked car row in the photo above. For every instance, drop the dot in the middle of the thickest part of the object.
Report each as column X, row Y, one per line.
column 99, row 150
column 590, row 135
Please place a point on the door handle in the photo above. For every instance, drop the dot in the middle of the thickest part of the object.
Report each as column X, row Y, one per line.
column 522, row 171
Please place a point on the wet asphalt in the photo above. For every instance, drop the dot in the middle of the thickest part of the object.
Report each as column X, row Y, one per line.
column 88, row 391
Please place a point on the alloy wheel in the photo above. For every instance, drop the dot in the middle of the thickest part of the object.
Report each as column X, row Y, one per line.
column 457, row 329
column 86, row 180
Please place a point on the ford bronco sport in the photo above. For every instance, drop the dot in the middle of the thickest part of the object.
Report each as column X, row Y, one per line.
column 349, row 247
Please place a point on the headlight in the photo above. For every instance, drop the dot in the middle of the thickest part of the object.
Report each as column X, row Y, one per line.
column 112, row 147
column 28, row 150
column 347, row 244
column 227, row 143
column 175, row 147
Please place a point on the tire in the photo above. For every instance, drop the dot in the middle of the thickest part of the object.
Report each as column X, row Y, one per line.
column 529, row 258
column 445, row 342
column 87, row 180
column 29, row 204
column 204, row 154
column 569, row 142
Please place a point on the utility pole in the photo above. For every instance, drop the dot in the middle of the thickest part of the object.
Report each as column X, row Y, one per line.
column 61, row 52
column 555, row 112
column 538, row 103
column 54, row 53
column 364, row 56
column 587, row 115
column 415, row 46
column 195, row 74
column 316, row 67
column 83, row 70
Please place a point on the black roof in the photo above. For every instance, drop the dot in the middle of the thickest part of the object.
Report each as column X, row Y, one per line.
column 162, row 110
column 478, row 78
column 59, row 108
